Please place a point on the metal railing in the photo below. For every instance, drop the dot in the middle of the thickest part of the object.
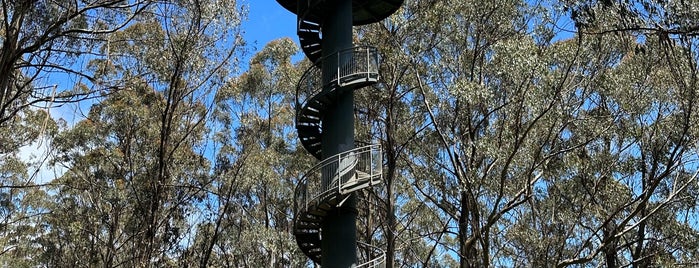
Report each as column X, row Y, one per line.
column 374, row 256
column 339, row 174
column 353, row 65
column 348, row 66
column 309, row 85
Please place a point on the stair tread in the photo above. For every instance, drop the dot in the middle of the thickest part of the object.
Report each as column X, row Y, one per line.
column 310, row 220
column 307, row 235
column 311, row 140
column 315, row 128
column 313, row 240
column 310, row 112
column 307, row 123
column 309, row 135
column 311, row 118
column 312, row 109
column 309, row 34
column 309, row 24
column 311, row 228
column 308, row 228
column 312, row 143
column 311, row 44
column 320, row 213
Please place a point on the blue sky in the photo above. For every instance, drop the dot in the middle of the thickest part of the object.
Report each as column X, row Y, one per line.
column 267, row 20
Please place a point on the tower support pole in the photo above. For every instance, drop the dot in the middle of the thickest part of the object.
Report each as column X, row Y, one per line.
column 339, row 230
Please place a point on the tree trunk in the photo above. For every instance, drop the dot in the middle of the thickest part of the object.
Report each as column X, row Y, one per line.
column 390, row 210
column 9, row 57
column 609, row 250
column 467, row 251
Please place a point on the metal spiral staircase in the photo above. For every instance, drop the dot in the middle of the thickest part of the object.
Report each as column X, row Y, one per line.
column 349, row 172
column 332, row 181
column 329, row 183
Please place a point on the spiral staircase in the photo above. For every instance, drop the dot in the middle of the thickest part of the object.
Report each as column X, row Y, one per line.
column 332, row 181
column 310, row 15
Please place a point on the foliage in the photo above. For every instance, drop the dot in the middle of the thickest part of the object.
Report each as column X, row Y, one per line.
column 515, row 134
column 533, row 149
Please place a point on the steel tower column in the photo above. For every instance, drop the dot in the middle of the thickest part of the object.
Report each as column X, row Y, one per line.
column 338, row 136
column 325, row 200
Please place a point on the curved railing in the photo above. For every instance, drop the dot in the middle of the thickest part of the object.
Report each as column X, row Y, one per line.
column 308, row 86
column 344, row 173
column 356, row 65
column 376, row 257
column 353, row 65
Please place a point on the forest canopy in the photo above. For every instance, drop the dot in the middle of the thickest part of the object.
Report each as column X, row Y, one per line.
column 515, row 134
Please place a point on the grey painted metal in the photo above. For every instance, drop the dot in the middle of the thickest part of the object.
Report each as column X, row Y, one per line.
column 325, row 201
column 340, row 224
column 349, row 171
column 311, row 101
column 363, row 11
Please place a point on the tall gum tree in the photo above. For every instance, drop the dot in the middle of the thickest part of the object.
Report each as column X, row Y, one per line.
column 642, row 169
column 521, row 117
column 39, row 40
column 387, row 113
column 40, row 37
column 145, row 148
column 258, row 165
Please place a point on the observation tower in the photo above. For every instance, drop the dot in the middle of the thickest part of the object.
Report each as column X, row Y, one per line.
column 325, row 199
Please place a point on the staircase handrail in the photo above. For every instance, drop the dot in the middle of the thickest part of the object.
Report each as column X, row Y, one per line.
column 309, row 85
column 362, row 64
column 310, row 188
column 377, row 258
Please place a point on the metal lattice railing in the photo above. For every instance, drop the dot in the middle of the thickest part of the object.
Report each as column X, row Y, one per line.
column 372, row 256
column 309, row 86
column 352, row 66
column 340, row 174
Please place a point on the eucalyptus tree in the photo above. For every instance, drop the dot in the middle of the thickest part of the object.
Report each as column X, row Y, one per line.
column 665, row 18
column 39, row 38
column 497, row 117
column 258, row 165
column 475, row 70
column 21, row 197
column 542, row 147
column 626, row 197
column 137, row 163
column 639, row 205
column 639, row 177
column 501, row 97
column 396, row 218
column 441, row 52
